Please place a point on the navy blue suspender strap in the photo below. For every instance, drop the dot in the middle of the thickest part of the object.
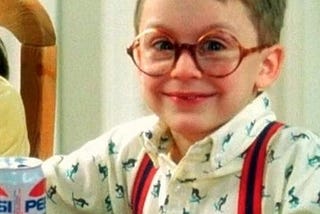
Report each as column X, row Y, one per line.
column 251, row 184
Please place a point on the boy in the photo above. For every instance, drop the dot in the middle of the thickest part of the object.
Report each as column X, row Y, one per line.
column 13, row 131
column 203, row 67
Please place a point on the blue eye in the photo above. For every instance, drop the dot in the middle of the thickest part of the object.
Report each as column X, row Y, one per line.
column 163, row 45
column 212, row 45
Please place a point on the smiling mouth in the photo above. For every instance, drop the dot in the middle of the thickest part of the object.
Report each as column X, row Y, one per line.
column 188, row 96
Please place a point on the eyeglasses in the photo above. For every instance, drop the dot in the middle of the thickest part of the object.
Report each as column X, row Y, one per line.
column 216, row 53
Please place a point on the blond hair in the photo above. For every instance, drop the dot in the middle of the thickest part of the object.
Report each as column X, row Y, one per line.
column 266, row 15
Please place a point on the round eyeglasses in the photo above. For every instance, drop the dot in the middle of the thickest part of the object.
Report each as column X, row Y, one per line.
column 216, row 53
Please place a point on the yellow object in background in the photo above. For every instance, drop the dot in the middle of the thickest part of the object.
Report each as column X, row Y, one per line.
column 13, row 131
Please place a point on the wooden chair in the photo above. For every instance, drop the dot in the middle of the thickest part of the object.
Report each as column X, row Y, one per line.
column 31, row 25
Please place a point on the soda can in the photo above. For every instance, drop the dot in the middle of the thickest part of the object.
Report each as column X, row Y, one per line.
column 22, row 186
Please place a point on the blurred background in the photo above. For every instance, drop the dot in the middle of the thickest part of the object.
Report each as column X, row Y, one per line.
column 97, row 88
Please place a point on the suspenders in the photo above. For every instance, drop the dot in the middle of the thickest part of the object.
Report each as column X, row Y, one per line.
column 142, row 183
column 251, row 184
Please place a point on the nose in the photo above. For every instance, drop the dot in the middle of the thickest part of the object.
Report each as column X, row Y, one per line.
column 186, row 67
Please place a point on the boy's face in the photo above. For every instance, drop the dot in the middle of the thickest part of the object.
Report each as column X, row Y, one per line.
column 190, row 102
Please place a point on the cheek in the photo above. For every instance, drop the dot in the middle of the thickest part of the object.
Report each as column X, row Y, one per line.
column 145, row 84
column 246, row 76
column 239, row 87
column 252, row 68
column 148, row 86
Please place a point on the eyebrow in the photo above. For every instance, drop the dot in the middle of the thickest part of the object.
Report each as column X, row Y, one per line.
column 223, row 26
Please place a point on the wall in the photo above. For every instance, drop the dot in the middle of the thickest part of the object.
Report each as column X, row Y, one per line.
column 296, row 95
column 96, row 81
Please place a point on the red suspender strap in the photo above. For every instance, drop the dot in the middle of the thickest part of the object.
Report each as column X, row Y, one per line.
column 251, row 184
column 142, row 184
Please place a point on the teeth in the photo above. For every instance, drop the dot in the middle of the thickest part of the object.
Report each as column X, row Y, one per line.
column 190, row 97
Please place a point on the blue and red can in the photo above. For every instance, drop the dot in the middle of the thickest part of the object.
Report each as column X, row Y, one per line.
column 22, row 186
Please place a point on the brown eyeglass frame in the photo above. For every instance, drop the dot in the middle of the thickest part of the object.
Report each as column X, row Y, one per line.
column 191, row 48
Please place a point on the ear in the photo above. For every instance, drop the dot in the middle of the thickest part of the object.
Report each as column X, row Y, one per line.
column 271, row 63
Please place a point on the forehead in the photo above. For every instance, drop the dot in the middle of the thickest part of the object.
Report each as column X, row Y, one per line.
column 194, row 17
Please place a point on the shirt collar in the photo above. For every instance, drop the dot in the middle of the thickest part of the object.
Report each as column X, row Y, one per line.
column 225, row 144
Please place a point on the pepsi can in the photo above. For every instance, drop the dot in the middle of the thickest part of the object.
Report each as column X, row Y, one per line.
column 22, row 186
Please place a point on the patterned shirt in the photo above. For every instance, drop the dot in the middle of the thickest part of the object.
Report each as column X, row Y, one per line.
column 99, row 177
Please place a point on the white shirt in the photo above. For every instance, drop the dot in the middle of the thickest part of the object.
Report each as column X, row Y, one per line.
column 99, row 177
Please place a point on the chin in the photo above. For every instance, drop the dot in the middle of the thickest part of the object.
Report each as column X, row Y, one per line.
column 190, row 126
